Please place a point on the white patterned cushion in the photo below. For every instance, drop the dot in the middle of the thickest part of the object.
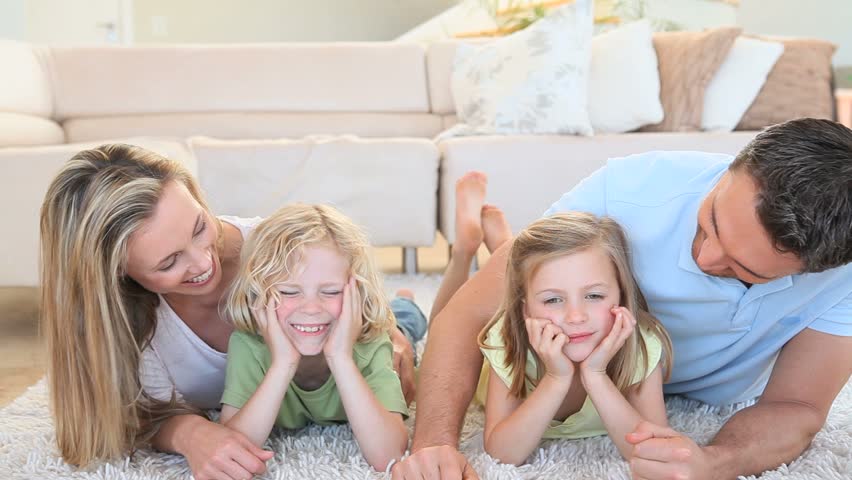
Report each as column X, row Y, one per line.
column 533, row 81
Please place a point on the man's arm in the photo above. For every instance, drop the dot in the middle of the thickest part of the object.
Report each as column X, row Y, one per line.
column 452, row 361
column 809, row 373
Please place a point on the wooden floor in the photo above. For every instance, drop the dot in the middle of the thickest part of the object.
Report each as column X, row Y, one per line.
column 22, row 358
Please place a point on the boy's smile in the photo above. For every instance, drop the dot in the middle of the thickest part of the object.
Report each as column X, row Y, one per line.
column 312, row 298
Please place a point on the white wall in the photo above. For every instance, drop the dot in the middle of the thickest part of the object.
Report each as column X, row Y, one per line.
column 60, row 21
column 164, row 21
column 12, row 19
column 204, row 21
column 826, row 19
column 52, row 21
column 692, row 14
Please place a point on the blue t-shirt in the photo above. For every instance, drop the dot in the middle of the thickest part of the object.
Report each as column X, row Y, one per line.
column 726, row 337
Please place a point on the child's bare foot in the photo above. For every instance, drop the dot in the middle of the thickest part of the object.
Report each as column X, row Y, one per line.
column 405, row 293
column 495, row 228
column 470, row 195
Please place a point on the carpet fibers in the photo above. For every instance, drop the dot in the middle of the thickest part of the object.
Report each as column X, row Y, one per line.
column 28, row 451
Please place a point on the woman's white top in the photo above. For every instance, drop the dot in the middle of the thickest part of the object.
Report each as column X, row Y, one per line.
column 177, row 360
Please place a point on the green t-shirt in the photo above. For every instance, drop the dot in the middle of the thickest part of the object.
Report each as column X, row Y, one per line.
column 249, row 360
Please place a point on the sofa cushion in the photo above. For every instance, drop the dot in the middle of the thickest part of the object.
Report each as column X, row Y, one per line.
column 737, row 82
column 388, row 186
column 20, row 130
column 449, row 121
column 254, row 125
column 624, row 82
column 533, row 81
column 339, row 77
column 687, row 62
column 539, row 169
column 439, row 66
column 27, row 173
column 799, row 85
column 24, row 84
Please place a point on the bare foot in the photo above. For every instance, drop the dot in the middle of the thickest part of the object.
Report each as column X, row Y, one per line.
column 470, row 195
column 405, row 293
column 495, row 228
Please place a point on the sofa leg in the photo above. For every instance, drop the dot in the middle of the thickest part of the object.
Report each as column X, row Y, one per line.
column 409, row 260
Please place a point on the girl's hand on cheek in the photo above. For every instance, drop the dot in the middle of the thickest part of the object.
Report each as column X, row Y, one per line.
column 547, row 340
column 346, row 330
column 282, row 349
column 622, row 328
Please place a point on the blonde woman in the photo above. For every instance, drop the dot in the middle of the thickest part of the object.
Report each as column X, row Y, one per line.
column 312, row 342
column 134, row 269
column 573, row 352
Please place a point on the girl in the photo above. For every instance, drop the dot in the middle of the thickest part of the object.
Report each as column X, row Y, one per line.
column 312, row 335
column 563, row 355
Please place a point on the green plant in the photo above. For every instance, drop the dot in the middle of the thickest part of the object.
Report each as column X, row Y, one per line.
column 512, row 15
column 520, row 22
column 632, row 10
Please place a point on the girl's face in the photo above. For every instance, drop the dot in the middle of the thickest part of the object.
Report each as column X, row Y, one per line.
column 174, row 251
column 312, row 299
column 576, row 293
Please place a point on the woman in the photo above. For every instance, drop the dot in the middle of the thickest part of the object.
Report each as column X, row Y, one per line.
column 134, row 267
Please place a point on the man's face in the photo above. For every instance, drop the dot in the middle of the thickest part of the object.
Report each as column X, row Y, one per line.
column 731, row 242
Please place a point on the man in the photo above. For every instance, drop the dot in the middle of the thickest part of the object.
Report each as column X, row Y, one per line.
column 746, row 263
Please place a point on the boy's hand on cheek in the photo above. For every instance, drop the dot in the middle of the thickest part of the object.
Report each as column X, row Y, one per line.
column 345, row 331
column 282, row 349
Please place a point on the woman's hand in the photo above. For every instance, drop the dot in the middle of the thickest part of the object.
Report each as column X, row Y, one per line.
column 622, row 328
column 282, row 349
column 343, row 334
column 215, row 452
column 547, row 340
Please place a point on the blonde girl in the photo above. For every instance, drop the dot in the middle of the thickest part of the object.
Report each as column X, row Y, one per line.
column 573, row 352
column 312, row 342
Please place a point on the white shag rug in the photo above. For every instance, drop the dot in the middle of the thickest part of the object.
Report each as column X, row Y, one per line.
column 28, row 451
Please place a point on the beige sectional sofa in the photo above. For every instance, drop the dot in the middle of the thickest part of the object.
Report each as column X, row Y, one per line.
column 351, row 124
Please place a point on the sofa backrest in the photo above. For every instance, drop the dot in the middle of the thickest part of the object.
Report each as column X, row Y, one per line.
column 242, row 91
column 439, row 65
column 340, row 77
column 24, row 84
column 26, row 101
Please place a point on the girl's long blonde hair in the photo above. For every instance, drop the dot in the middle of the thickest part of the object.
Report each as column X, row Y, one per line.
column 273, row 251
column 96, row 319
column 557, row 236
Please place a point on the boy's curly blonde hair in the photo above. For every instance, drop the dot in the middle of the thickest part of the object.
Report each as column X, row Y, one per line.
column 274, row 249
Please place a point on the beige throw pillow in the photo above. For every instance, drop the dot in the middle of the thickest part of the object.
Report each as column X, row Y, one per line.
column 687, row 62
column 799, row 85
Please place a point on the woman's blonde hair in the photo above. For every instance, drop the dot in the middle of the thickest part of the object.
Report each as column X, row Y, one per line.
column 557, row 236
column 274, row 249
column 95, row 318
